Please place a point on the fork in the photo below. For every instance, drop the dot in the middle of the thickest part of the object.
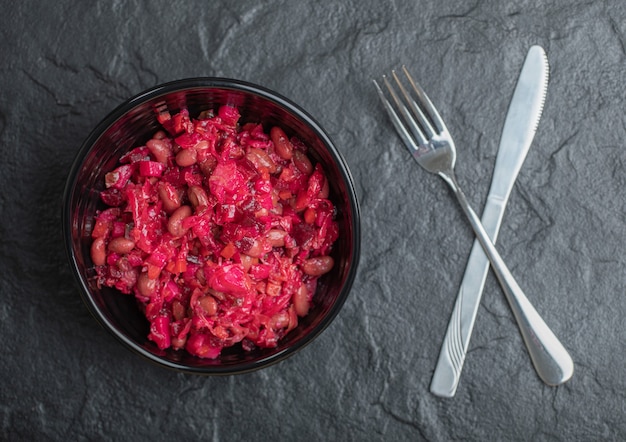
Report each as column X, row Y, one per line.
column 427, row 138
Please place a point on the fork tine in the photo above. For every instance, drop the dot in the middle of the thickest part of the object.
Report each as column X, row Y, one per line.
column 419, row 114
column 414, row 127
column 425, row 102
column 397, row 121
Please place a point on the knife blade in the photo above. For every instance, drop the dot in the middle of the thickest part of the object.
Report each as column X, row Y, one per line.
column 518, row 132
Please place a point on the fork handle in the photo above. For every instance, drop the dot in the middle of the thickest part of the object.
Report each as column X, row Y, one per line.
column 550, row 359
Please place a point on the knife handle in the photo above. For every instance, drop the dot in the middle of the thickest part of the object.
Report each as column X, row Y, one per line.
column 456, row 341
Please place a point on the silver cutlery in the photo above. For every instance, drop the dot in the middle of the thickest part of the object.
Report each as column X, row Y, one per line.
column 517, row 134
column 425, row 134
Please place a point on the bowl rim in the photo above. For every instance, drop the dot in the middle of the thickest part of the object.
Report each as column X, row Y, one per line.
column 224, row 84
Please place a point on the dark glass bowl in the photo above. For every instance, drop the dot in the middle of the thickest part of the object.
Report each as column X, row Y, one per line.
column 132, row 124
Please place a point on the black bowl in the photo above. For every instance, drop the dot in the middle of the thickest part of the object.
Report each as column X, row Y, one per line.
column 133, row 123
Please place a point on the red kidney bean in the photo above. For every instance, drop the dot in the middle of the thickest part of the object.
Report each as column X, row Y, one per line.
column 121, row 245
column 160, row 148
column 186, row 157
column 300, row 301
column 174, row 224
column 276, row 237
column 169, row 195
column 318, row 266
column 145, row 285
column 197, row 196
column 282, row 145
column 98, row 251
column 302, row 162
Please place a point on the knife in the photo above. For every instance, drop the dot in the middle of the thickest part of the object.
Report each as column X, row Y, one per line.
column 519, row 129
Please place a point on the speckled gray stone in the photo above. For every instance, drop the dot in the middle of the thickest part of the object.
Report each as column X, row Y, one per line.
column 66, row 64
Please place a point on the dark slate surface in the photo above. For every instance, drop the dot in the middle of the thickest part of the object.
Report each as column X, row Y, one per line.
column 65, row 64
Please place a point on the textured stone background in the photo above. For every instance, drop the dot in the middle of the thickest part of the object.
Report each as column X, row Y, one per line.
column 66, row 64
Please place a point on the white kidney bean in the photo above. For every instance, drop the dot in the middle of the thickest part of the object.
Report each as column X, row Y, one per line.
column 300, row 301
column 186, row 157
column 261, row 159
column 318, row 266
column 160, row 149
column 174, row 224
column 170, row 197
column 282, row 145
column 98, row 252
column 276, row 237
column 197, row 196
column 302, row 162
column 121, row 245
column 256, row 250
column 208, row 304
column 145, row 285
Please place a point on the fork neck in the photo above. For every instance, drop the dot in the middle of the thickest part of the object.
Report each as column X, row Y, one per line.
column 450, row 178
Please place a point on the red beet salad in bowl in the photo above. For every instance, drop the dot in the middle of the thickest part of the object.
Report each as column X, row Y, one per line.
column 212, row 226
